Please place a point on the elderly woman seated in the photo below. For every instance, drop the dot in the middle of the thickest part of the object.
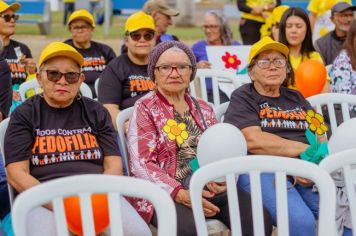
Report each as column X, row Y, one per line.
column 163, row 135
column 272, row 118
column 60, row 133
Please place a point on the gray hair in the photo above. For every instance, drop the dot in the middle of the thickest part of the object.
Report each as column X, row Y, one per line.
column 225, row 30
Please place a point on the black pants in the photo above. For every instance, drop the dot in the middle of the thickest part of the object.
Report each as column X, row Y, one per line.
column 185, row 218
column 68, row 9
column 250, row 31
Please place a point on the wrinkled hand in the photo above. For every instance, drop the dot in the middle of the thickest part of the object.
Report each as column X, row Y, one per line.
column 29, row 63
column 204, row 65
column 303, row 181
column 217, row 188
column 209, row 208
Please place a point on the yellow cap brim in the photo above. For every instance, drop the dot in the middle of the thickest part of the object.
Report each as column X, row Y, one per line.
column 65, row 53
column 271, row 46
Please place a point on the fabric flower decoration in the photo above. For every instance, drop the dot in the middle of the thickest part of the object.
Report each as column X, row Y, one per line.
column 231, row 61
column 175, row 131
column 316, row 122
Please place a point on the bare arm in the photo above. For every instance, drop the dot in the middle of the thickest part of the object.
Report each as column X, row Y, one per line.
column 312, row 18
column 112, row 165
column 114, row 111
column 19, row 177
column 259, row 142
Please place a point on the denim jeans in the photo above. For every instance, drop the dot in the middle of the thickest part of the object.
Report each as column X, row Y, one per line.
column 303, row 204
column 4, row 192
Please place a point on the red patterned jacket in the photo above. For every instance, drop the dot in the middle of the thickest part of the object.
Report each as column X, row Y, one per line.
column 153, row 156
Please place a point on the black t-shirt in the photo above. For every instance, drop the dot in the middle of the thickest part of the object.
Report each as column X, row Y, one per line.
column 123, row 82
column 60, row 142
column 18, row 71
column 95, row 60
column 5, row 88
column 283, row 116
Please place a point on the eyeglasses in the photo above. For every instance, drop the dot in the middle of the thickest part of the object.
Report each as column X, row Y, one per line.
column 344, row 15
column 265, row 64
column 55, row 76
column 8, row 17
column 165, row 70
column 147, row 36
column 212, row 27
column 81, row 27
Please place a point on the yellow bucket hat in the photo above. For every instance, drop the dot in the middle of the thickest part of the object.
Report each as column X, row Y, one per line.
column 139, row 20
column 57, row 49
column 4, row 6
column 82, row 15
column 266, row 43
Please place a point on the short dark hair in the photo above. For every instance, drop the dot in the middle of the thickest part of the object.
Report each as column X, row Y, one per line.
column 349, row 45
column 307, row 44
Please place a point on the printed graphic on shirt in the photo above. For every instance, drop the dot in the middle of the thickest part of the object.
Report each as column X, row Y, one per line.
column 60, row 145
column 140, row 84
column 94, row 64
column 18, row 70
column 276, row 117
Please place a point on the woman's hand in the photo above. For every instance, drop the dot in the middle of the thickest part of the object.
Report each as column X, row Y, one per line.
column 303, row 181
column 29, row 64
column 216, row 188
column 209, row 208
column 203, row 65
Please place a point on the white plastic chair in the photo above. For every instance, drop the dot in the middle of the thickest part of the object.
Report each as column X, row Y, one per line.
column 3, row 127
column 342, row 162
column 330, row 99
column 84, row 186
column 217, row 77
column 231, row 143
column 96, row 86
column 254, row 166
column 121, row 119
column 33, row 84
column 220, row 111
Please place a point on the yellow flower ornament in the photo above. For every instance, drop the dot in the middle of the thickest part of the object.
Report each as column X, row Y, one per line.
column 316, row 122
column 175, row 131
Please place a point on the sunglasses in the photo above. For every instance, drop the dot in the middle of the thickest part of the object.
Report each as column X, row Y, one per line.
column 147, row 36
column 55, row 76
column 8, row 17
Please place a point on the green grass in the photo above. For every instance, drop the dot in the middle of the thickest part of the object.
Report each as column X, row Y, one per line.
column 116, row 29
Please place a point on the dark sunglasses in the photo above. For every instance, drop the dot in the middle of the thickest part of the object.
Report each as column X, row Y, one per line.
column 55, row 76
column 8, row 17
column 147, row 36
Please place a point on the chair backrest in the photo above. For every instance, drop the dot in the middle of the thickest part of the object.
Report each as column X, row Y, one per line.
column 84, row 186
column 33, row 84
column 121, row 119
column 344, row 137
column 343, row 161
column 3, row 127
column 198, row 87
column 220, row 111
column 330, row 99
column 96, row 86
column 231, row 143
column 254, row 166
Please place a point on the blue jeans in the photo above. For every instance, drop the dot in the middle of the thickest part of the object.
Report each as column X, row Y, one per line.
column 4, row 192
column 303, row 204
column 347, row 232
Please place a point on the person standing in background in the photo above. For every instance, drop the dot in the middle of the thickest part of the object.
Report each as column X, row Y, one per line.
column 320, row 15
column 96, row 55
column 16, row 54
column 69, row 7
column 253, row 15
column 330, row 44
column 271, row 26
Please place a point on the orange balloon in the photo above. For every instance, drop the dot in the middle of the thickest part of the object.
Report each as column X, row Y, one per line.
column 100, row 213
column 310, row 77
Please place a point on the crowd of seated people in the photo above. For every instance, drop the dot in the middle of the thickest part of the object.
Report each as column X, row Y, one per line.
column 152, row 74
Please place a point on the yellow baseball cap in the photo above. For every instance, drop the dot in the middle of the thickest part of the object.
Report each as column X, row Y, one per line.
column 82, row 15
column 139, row 20
column 57, row 49
column 266, row 43
column 4, row 6
column 277, row 13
